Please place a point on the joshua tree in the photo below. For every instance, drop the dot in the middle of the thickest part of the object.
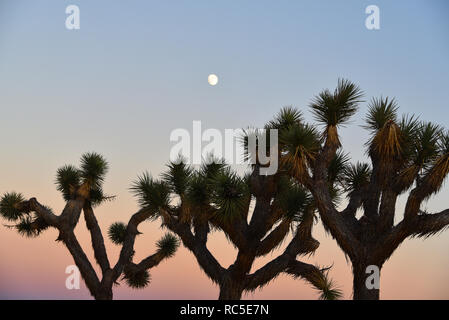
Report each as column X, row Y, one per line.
column 408, row 157
column 255, row 212
column 82, row 191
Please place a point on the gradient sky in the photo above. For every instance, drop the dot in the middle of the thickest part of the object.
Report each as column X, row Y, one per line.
column 136, row 71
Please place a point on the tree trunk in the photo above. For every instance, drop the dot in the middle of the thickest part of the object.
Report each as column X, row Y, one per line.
column 230, row 290
column 104, row 294
column 366, row 281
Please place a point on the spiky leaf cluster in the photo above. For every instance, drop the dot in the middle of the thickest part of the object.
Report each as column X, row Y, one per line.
column 151, row 194
column 356, row 176
column 293, row 199
column 168, row 245
column 177, row 176
column 229, row 194
column 328, row 289
column 333, row 109
column 30, row 227
column 10, row 206
column 92, row 171
column 137, row 279
column 299, row 146
column 117, row 233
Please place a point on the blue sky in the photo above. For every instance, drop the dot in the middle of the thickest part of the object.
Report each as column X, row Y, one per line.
column 142, row 67
column 135, row 72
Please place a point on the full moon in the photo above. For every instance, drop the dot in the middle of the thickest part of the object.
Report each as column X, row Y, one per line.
column 212, row 79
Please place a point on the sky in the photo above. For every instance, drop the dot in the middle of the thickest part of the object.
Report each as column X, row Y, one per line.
column 133, row 73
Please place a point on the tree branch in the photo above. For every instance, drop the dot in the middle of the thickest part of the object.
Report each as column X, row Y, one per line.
column 50, row 218
column 81, row 261
column 274, row 238
column 198, row 247
column 127, row 250
column 429, row 224
column 96, row 238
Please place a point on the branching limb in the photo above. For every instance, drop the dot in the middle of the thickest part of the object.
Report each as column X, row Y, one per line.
column 96, row 238
column 429, row 224
column 317, row 277
column 423, row 225
column 81, row 261
column 274, row 238
column 205, row 259
column 50, row 218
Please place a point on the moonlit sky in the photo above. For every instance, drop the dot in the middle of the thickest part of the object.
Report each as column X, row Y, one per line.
column 136, row 71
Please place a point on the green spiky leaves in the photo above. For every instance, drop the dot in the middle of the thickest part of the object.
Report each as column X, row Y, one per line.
column 380, row 111
column 151, row 194
column 177, row 176
column 229, row 195
column 93, row 169
column 92, row 172
column 198, row 193
column 68, row 179
column 14, row 208
column 356, row 177
column 31, row 228
column 10, row 207
column 333, row 109
column 299, row 147
column 286, row 118
column 293, row 199
column 168, row 245
column 328, row 289
column 337, row 167
column 427, row 144
column 117, row 233
column 136, row 278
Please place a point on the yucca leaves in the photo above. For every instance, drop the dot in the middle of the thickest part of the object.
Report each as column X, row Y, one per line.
column 299, row 146
column 439, row 169
column 337, row 167
column 293, row 199
column 168, row 245
column 92, row 171
column 198, row 192
column 286, row 118
column 211, row 167
column 426, row 144
column 29, row 227
column 380, row 111
column 67, row 180
column 355, row 177
column 443, row 144
column 137, row 279
column 150, row 193
column 409, row 126
column 177, row 176
column 9, row 206
column 328, row 289
column 117, row 233
column 93, row 168
column 229, row 194
column 333, row 109
column 420, row 149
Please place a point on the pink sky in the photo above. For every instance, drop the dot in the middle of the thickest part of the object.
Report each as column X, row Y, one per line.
column 35, row 268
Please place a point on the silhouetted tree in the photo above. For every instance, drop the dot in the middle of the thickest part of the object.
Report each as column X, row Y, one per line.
column 255, row 212
column 82, row 191
column 408, row 156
